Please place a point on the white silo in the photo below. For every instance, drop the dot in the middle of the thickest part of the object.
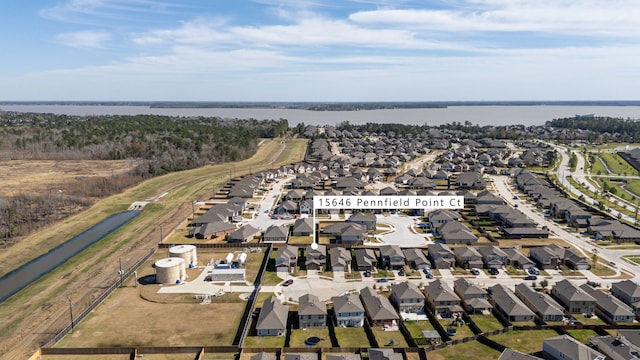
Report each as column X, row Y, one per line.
column 170, row 270
column 242, row 258
column 229, row 258
column 186, row 252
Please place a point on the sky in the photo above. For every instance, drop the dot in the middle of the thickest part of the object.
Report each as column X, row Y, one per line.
column 319, row 50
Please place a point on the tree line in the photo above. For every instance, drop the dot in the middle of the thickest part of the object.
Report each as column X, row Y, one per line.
column 155, row 144
column 601, row 128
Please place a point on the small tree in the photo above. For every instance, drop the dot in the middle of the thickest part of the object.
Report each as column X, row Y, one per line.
column 544, row 283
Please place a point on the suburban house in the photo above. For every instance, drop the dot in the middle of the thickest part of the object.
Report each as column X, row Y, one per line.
column 384, row 354
column 348, row 310
column 517, row 259
column 415, row 258
column 263, row 356
column 507, row 303
column 366, row 259
column 391, row 257
column 287, row 258
column 276, row 233
column 616, row 347
column 474, row 298
column 457, row 233
column 608, row 307
column 564, row 347
column 244, row 234
column 312, row 313
column 378, row 309
column 343, row 356
column 213, row 230
column 272, row 320
column 346, row 232
column 629, row 292
column 468, row 257
column 441, row 299
column 406, row 297
column 439, row 217
column 470, row 180
column 367, row 220
column 340, row 259
column 493, row 257
column 441, row 256
column 302, row 227
column 544, row 257
column 574, row 299
column 510, row 354
column 542, row 304
column 315, row 259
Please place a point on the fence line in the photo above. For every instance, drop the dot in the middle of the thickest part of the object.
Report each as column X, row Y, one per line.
column 79, row 317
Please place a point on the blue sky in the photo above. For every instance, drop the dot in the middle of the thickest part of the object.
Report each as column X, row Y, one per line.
column 320, row 50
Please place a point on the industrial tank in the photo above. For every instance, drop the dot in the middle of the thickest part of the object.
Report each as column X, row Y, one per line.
column 170, row 270
column 186, row 252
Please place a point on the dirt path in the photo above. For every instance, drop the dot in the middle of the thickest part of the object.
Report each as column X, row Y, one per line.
column 34, row 315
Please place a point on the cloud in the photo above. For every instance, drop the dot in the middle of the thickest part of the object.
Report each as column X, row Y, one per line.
column 84, row 39
column 106, row 12
column 575, row 17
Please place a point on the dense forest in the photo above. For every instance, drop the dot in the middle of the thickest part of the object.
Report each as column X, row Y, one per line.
column 622, row 130
column 157, row 144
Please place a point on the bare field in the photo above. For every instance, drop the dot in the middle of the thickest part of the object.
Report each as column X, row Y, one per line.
column 127, row 318
column 45, row 176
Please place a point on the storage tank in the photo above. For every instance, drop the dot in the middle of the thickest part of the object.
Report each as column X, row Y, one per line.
column 170, row 270
column 186, row 252
column 229, row 258
column 242, row 258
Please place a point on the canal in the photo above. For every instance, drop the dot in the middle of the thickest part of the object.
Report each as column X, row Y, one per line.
column 21, row 277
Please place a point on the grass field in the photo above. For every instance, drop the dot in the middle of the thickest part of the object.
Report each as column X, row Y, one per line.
column 298, row 336
column 582, row 335
column 524, row 341
column 352, row 337
column 385, row 338
column 472, row 349
column 178, row 322
column 486, row 323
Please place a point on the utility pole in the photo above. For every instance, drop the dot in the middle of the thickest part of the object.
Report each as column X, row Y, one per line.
column 120, row 271
column 71, row 312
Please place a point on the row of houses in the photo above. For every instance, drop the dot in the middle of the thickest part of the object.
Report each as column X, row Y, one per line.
column 372, row 354
column 547, row 257
column 567, row 210
column 523, row 304
column 343, row 259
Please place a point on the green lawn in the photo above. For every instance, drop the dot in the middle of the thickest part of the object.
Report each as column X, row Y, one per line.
column 462, row 331
column 582, row 335
column 384, row 338
column 589, row 321
column 470, row 350
column 352, row 337
column 602, row 270
column 264, row 341
column 298, row 336
column 617, row 164
column 528, row 342
column 415, row 327
column 486, row 323
column 635, row 259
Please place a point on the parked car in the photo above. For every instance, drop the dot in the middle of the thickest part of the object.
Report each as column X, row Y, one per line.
column 287, row 283
column 401, row 272
column 531, row 277
column 367, row 273
column 429, row 276
column 382, row 280
column 475, row 271
column 494, row 271
column 534, row 271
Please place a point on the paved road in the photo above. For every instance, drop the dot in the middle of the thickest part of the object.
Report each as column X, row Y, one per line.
column 581, row 242
column 402, row 233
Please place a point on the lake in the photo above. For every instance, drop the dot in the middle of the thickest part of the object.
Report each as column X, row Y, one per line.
column 480, row 115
